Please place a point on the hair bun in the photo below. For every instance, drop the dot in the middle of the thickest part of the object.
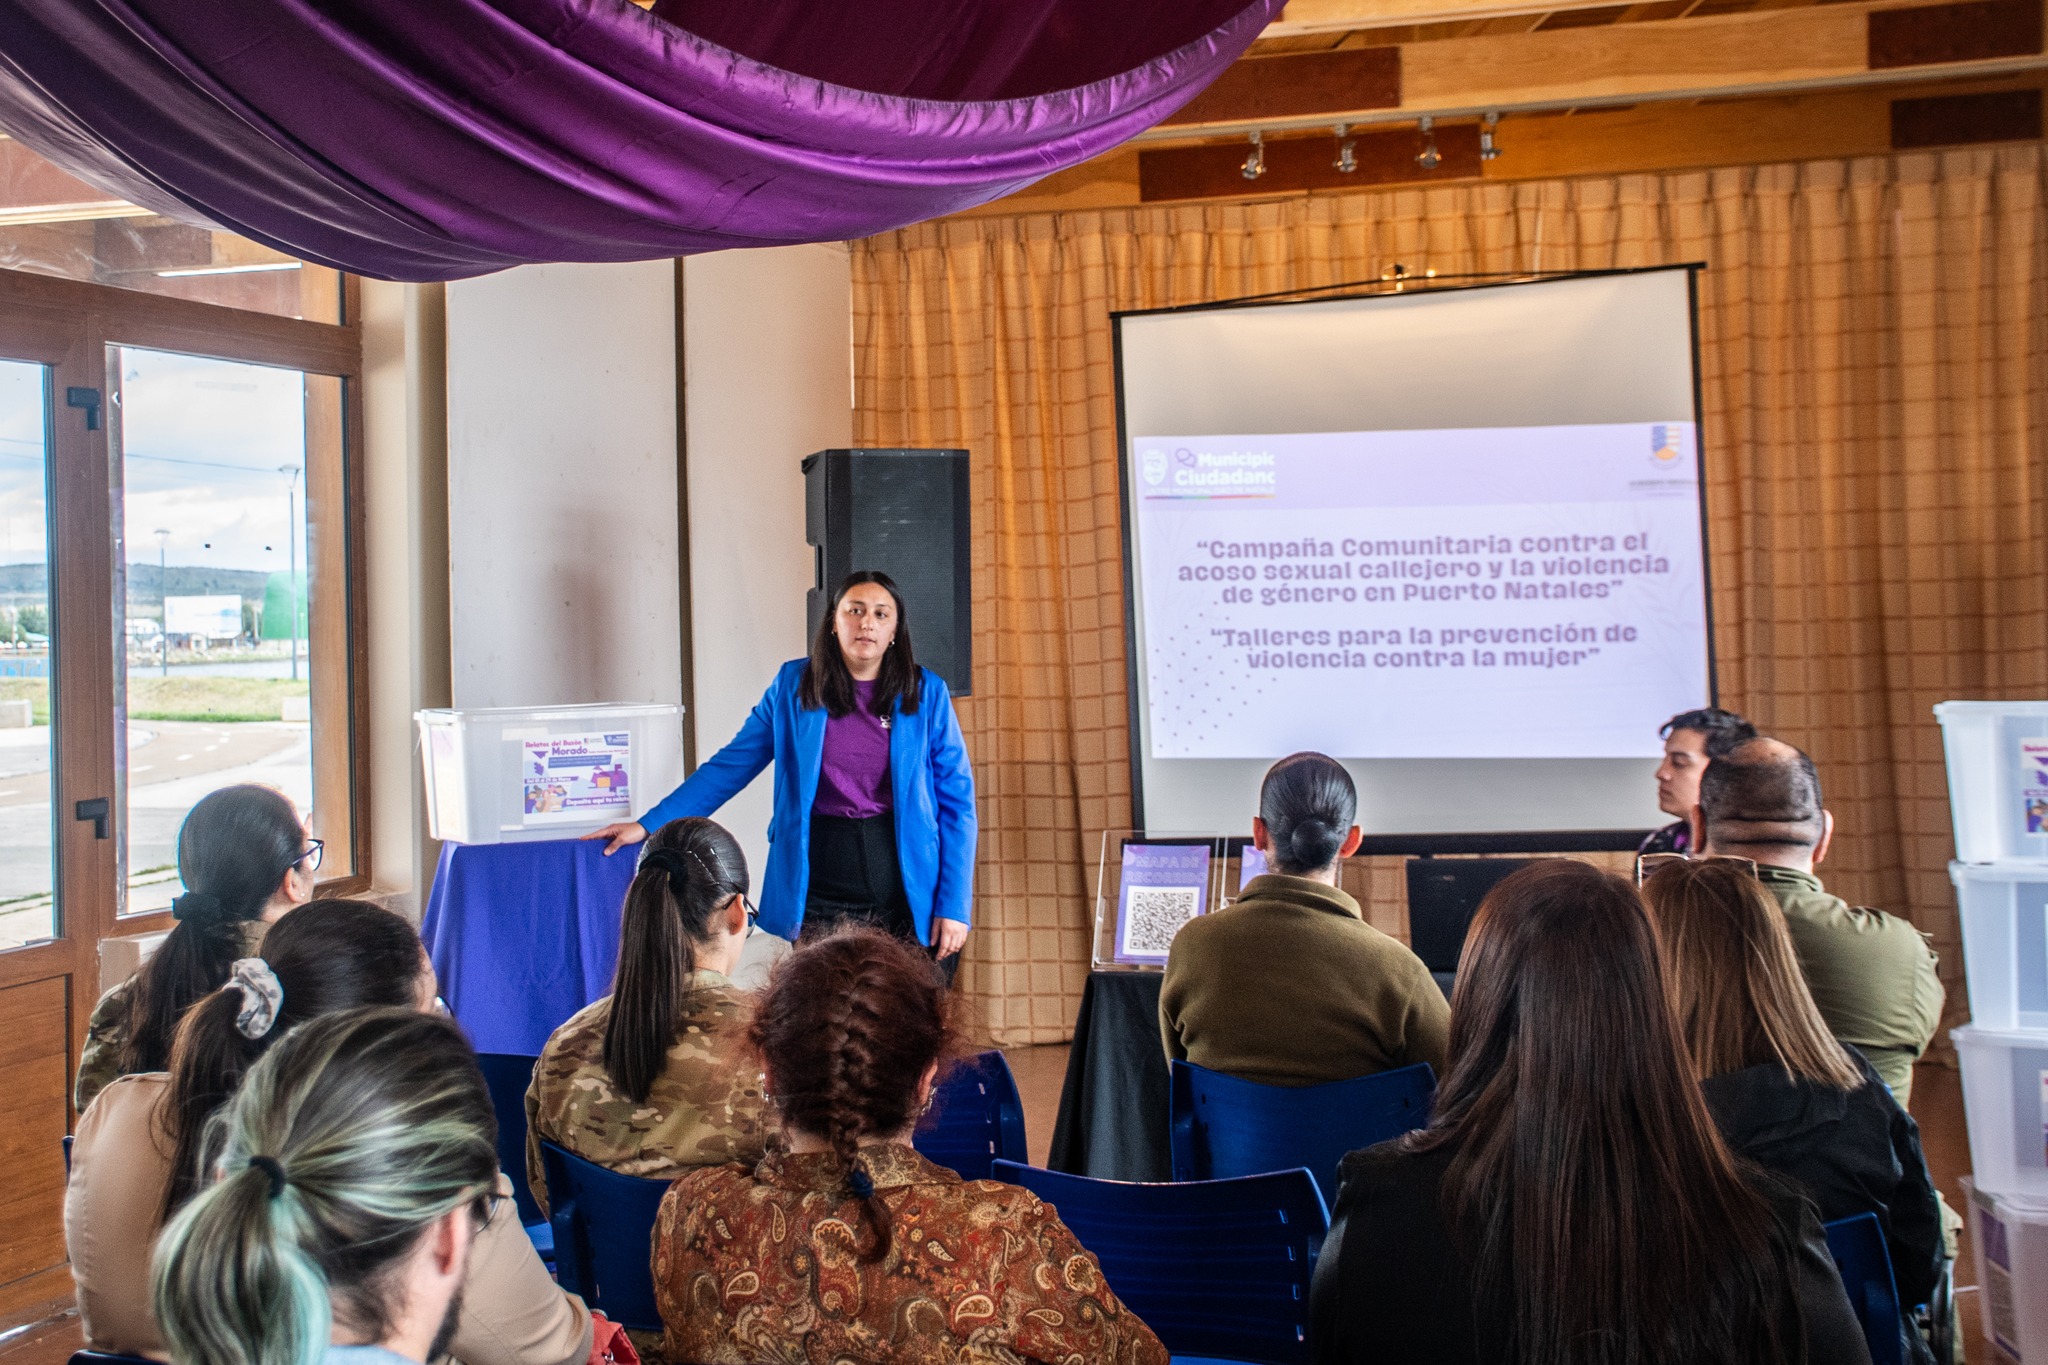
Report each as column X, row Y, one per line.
column 197, row 906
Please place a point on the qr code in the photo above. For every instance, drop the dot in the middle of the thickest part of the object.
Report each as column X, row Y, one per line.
column 1154, row 914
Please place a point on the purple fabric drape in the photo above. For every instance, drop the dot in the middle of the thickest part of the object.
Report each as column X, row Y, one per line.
column 439, row 139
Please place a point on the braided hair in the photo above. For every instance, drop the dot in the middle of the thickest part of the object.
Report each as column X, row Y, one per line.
column 847, row 1027
column 690, row 870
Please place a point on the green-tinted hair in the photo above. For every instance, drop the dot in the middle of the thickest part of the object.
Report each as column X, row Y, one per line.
column 343, row 1143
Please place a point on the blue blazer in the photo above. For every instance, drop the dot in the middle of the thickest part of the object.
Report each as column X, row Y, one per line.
column 930, row 784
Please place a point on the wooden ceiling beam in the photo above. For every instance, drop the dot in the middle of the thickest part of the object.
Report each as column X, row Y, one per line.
column 1764, row 52
column 1303, row 17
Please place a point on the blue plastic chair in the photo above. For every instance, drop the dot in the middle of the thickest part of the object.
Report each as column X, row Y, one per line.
column 1219, row 1269
column 1222, row 1126
column 507, row 1075
column 1857, row 1244
column 976, row 1118
column 604, row 1236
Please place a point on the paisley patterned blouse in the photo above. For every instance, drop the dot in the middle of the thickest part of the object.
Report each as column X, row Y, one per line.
column 759, row 1268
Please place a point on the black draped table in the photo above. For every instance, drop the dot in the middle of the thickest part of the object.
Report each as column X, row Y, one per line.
column 1113, row 1120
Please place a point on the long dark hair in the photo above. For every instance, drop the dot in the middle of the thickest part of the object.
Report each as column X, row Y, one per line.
column 347, row 1141
column 846, row 1029
column 1309, row 803
column 828, row 683
column 1604, row 1220
column 233, row 852
column 330, row 955
column 690, row 869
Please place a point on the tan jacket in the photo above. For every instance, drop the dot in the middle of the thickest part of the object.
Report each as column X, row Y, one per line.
column 512, row 1311
column 1290, row 986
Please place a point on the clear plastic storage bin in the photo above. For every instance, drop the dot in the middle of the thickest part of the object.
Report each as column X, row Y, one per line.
column 1997, row 777
column 511, row 773
column 2005, row 942
column 2005, row 1097
column 2010, row 1240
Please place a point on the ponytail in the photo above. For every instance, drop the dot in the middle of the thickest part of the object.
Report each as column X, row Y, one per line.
column 344, row 1143
column 233, row 851
column 692, row 868
column 327, row 956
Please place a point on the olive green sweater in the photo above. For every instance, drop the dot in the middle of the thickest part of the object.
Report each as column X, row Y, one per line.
column 1290, row 986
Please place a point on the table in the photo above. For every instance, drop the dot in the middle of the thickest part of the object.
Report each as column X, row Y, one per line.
column 1113, row 1106
column 523, row 935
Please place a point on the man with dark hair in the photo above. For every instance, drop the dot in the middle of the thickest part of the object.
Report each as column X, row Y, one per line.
column 1872, row 974
column 1692, row 739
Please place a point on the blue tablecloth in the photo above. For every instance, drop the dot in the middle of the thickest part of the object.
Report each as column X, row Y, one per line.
column 524, row 935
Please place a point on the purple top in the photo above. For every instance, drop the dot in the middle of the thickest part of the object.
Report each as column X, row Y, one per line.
column 854, row 781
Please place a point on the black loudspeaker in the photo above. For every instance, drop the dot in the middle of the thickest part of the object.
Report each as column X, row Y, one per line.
column 1443, row 895
column 903, row 512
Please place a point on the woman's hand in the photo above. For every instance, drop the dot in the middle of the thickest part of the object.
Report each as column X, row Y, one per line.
column 949, row 936
column 621, row 835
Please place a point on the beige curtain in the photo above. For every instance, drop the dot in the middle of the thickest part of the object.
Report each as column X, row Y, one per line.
column 1874, row 342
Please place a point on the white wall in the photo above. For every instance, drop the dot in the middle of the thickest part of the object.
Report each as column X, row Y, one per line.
column 405, row 494
column 563, row 529
column 767, row 379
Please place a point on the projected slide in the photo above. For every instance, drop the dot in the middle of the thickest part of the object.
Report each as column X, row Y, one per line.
column 1374, row 593
column 1451, row 537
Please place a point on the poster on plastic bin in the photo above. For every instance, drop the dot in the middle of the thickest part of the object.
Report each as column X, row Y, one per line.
column 1163, row 887
column 577, row 779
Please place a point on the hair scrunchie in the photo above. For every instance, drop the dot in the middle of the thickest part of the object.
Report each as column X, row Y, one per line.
column 861, row 1183
column 197, row 906
column 262, row 996
column 670, row 863
column 273, row 1168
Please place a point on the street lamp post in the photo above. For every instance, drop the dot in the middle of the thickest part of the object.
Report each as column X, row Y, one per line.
column 291, row 547
column 163, row 603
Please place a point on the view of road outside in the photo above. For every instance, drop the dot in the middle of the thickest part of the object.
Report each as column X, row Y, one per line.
column 26, row 871
column 214, row 555
column 213, row 457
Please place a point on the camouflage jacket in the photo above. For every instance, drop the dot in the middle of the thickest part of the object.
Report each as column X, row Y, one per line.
column 106, row 1032
column 707, row 1108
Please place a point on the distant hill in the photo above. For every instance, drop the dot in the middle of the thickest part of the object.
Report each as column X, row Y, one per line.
column 146, row 587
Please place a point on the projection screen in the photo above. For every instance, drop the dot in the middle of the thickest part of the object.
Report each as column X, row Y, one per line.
column 1453, row 537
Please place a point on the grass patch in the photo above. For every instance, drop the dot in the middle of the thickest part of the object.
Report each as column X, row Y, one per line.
column 214, row 699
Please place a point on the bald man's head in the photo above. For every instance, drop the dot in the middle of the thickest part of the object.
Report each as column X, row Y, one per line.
column 1762, row 794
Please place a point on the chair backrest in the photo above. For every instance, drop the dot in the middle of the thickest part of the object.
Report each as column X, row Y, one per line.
column 1221, row 1126
column 976, row 1118
column 108, row 1358
column 1217, row 1268
column 507, row 1076
column 1857, row 1244
column 604, row 1235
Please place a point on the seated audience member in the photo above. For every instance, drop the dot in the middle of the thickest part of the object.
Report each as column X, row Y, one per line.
column 849, row 1245
column 1289, row 985
column 657, row 1077
column 245, row 860
column 138, row 1155
column 1872, row 974
column 1692, row 740
column 1570, row 1201
column 1784, row 1093
column 356, row 1175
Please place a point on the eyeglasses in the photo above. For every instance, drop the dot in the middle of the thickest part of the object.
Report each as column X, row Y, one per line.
column 753, row 915
column 310, row 860
column 1648, row 863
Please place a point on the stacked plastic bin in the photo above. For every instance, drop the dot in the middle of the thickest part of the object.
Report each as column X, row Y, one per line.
column 1998, row 791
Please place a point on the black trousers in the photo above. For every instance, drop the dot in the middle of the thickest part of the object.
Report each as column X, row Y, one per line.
column 855, row 878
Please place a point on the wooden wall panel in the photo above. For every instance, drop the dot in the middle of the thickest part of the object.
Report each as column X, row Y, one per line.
column 1978, row 31
column 1287, row 87
column 35, row 1079
column 1961, row 120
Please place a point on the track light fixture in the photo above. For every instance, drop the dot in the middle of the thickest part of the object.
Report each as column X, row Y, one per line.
column 1347, row 150
column 1428, row 158
column 1255, row 161
column 1489, row 150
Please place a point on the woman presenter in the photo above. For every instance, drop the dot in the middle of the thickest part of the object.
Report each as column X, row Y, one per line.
column 874, row 802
